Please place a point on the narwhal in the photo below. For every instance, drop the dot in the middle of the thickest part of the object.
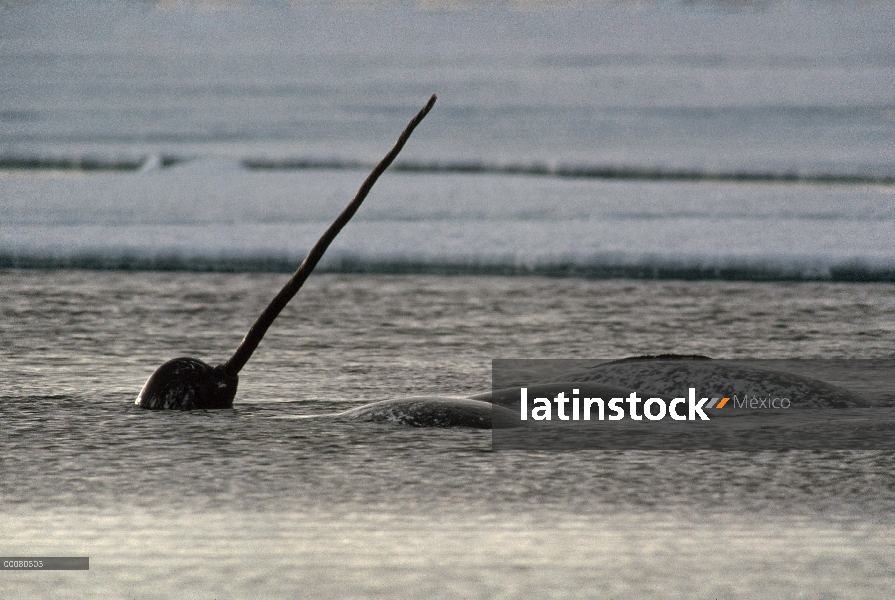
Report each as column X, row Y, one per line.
column 668, row 375
column 189, row 383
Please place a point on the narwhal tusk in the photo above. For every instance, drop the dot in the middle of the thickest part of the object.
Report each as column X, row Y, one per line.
column 188, row 383
column 253, row 337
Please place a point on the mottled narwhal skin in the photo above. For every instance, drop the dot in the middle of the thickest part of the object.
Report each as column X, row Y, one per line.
column 435, row 411
column 186, row 384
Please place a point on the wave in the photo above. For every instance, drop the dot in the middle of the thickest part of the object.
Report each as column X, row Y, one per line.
column 536, row 169
column 83, row 163
column 589, row 171
column 594, row 268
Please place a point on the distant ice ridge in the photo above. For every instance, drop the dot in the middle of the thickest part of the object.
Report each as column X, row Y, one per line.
column 217, row 215
column 781, row 173
column 569, row 249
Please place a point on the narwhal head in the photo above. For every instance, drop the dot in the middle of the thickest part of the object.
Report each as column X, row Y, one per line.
column 187, row 384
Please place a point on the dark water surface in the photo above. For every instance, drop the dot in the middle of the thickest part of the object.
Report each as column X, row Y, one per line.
column 257, row 500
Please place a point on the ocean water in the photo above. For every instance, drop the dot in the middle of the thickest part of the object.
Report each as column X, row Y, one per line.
column 696, row 140
column 258, row 502
column 596, row 180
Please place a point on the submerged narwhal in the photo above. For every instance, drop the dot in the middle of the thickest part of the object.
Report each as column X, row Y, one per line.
column 188, row 383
